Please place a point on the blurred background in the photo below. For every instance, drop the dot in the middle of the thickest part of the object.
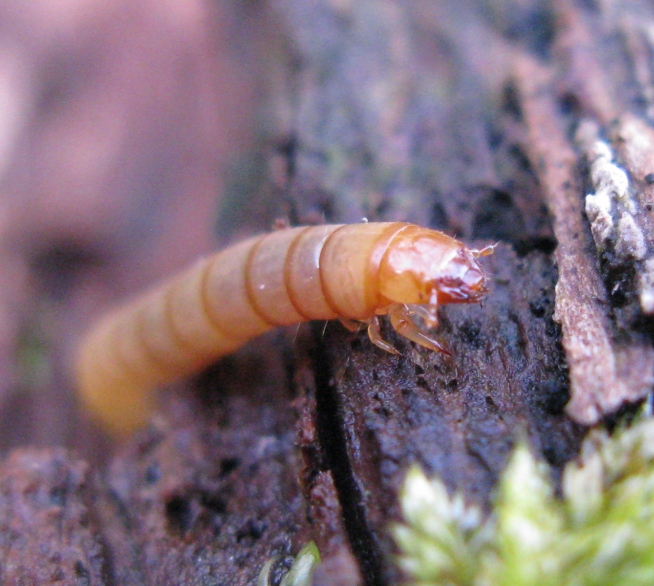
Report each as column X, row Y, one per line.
column 123, row 124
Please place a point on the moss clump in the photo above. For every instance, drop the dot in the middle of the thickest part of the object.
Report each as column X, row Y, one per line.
column 300, row 572
column 601, row 532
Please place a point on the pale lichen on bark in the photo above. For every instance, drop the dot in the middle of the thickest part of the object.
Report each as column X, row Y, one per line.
column 634, row 140
column 610, row 208
column 608, row 365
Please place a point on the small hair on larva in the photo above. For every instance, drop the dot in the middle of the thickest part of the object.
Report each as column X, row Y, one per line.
column 351, row 272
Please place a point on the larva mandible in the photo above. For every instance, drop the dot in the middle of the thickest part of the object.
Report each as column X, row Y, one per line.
column 353, row 272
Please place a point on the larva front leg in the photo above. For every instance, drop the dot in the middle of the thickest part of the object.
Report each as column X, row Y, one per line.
column 402, row 323
column 485, row 251
column 374, row 333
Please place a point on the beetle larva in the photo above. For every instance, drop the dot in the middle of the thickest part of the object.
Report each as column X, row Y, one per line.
column 353, row 272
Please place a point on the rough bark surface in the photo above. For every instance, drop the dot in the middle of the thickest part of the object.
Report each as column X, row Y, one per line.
column 523, row 123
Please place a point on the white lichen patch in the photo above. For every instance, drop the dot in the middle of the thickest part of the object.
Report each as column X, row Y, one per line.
column 635, row 136
column 611, row 209
column 608, row 178
column 646, row 287
column 630, row 240
column 598, row 210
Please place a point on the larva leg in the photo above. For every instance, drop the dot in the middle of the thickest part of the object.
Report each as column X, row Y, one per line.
column 427, row 314
column 486, row 251
column 351, row 325
column 404, row 325
column 375, row 336
column 374, row 332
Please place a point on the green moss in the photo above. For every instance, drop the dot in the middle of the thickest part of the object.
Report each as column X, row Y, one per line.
column 301, row 571
column 601, row 532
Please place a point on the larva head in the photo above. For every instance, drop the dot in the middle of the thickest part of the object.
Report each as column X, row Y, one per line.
column 427, row 267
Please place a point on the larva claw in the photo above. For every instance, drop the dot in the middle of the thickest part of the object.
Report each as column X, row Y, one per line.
column 486, row 251
column 404, row 325
column 376, row 338
column 427, row 314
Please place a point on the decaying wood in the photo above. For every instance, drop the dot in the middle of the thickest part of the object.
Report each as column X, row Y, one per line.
column 605, row 372
column 48, row 532
column 492, row 193
column 211, row 493
column 603, row 287
column 458, row 417
column 523, row 123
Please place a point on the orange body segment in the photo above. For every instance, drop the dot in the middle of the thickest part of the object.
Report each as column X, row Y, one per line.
column 323, row 272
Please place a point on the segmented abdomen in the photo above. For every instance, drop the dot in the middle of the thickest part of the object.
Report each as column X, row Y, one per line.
column 281, row 278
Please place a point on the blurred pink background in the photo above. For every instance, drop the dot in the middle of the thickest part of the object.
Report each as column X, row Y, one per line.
column 118, row 122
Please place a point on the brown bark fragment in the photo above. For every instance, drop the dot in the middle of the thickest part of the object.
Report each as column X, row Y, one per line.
column 339, row 565
column 604, row 372
column 586, row 61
